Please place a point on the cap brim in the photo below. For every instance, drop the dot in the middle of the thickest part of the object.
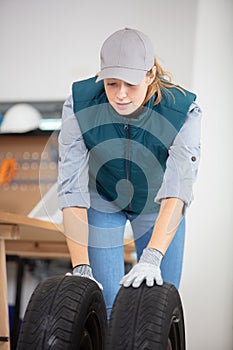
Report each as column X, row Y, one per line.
column 130, row 76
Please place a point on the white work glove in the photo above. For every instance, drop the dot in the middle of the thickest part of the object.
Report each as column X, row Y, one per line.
column 84, row 270
column 148, row 268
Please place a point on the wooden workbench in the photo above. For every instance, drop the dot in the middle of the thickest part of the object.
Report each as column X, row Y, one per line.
column 25, row 237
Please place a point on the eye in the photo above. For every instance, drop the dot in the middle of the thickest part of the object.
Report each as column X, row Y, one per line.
column 111, row 84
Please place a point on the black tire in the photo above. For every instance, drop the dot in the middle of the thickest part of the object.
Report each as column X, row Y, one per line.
column 64, row 313
column 147, row 318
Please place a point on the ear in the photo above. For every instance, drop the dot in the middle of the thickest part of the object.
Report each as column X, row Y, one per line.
column 152, row 75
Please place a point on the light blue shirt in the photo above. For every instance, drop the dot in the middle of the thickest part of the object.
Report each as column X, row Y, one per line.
column 181, row 166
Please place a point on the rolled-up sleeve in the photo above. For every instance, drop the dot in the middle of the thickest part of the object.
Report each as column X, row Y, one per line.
column 73, row 162
column 183, row 160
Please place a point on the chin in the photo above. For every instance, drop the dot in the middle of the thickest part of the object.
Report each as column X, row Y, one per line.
column 125, row 112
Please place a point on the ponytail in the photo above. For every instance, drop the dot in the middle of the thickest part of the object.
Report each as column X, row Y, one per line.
column 162, row 81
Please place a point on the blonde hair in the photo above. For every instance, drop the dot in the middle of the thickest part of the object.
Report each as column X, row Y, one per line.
column 162, row 81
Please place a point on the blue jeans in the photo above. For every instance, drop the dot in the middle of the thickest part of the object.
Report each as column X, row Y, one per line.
column 106, row 248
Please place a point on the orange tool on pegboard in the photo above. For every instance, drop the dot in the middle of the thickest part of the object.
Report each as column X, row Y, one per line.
column 7, row 170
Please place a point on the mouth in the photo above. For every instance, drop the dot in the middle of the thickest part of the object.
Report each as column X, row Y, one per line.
column 122, row 106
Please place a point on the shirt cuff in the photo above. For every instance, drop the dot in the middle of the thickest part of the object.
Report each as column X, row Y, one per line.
column 78, row 199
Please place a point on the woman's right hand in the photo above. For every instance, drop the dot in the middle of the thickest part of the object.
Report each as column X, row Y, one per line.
column 84, row 270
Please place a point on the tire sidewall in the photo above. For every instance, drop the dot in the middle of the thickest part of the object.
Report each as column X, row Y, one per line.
column 90, row 306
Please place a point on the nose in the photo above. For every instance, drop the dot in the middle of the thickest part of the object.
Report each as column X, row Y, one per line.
column 122, row 91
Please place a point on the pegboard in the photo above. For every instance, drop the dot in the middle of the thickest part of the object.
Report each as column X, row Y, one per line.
column 35, row 156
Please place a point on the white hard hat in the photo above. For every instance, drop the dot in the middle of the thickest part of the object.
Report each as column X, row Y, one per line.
column 20, row 118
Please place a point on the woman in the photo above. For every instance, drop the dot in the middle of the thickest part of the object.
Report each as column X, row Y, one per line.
column 129, row 150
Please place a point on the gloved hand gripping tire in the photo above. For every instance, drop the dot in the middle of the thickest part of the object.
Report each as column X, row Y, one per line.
column 84, row 270
column 148, row 268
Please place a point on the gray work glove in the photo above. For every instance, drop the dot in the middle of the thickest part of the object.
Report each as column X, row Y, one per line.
column 84, row 271
column 148, row 268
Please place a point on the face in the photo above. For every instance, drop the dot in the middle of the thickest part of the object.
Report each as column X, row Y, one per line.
column 126, row 98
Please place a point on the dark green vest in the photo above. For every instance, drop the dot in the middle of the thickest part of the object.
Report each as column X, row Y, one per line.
column 128, row 154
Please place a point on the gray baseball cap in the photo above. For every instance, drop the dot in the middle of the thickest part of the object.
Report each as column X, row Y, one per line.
column 127, row 55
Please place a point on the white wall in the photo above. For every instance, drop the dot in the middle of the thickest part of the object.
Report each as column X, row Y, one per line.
column 45, row 45
column 208, row 279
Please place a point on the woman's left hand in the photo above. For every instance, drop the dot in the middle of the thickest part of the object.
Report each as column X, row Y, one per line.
column 148, row 269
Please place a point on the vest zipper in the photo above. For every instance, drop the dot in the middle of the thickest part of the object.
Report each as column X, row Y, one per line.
column 127, row 165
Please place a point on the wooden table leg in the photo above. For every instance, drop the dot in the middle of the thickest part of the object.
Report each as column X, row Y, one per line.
column 4, row 319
